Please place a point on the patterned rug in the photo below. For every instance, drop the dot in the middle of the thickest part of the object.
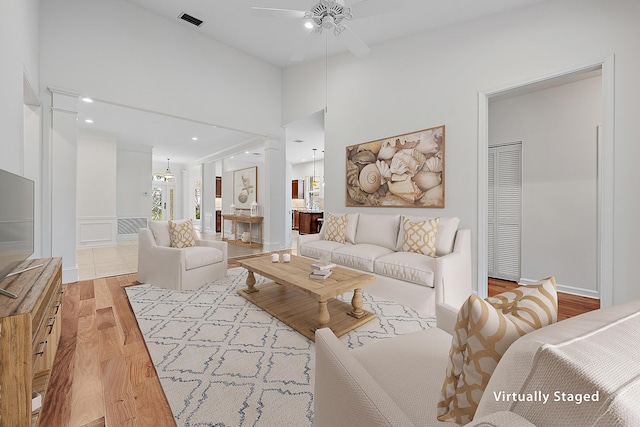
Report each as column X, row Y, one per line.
column 224, row 362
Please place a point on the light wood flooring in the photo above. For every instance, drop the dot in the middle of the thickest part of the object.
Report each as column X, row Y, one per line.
column 569, row 305
column 103, row 374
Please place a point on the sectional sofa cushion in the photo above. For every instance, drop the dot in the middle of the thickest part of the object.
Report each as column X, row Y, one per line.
column 361, row 257
column 420, row 237
column 181, row 233
column 319, row 249
column 408, row 266
column 380, row 230
column 445, row 238
column 335, row 227
column 483, row 332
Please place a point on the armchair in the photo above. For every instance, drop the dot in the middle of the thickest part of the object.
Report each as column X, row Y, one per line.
column 183, row 269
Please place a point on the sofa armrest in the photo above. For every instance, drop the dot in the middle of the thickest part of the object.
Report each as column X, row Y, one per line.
column 500, row 419
column 215, row 244
column 345, row 394
column 446, row 316
column 306, row 238
column 453, row 272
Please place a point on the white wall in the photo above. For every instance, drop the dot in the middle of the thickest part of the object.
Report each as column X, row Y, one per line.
column 134, row 172
column 433, row 79
column 116, row 51
column 557, row 127
column 96, row 191
column 19, row 53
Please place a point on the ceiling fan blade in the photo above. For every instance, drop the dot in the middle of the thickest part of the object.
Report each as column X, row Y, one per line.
column 268, row 12
column 308, row 42
column 365, row 8
column 353, row 42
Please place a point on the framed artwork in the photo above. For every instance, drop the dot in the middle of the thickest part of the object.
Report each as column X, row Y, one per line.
column 245, row 187
column 399, row 171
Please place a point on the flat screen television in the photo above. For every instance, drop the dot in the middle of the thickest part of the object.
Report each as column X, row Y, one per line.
column 16, row 220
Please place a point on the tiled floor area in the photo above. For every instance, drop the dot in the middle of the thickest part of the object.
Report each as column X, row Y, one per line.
column 123, row 258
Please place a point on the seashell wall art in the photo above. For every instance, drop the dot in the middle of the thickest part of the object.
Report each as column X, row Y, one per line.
column 400, row 171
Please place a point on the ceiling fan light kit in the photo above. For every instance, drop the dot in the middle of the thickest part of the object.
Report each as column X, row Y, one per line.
column 330, row 15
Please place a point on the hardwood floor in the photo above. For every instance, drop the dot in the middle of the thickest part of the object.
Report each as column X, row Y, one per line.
column 103, row 374
column 569, row 305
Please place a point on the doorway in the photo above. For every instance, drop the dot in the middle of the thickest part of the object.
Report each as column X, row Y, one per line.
column 604, row 185
column 505, row 205
column 163, row 196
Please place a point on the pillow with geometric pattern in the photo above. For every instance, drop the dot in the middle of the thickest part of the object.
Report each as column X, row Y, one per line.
column 181, row 233
column 335, row 228
column 484, row 330
column 420, row 237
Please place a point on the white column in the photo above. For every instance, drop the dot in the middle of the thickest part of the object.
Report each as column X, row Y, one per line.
column 64, row 157
column 274, row 203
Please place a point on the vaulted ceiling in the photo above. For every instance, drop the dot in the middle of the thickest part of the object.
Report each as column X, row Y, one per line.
column 273, row 40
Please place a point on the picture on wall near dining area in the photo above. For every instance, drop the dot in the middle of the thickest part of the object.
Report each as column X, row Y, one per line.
column 400, row 171
column 245, row 187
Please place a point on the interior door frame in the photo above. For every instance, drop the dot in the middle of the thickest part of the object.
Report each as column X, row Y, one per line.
column 605, row 190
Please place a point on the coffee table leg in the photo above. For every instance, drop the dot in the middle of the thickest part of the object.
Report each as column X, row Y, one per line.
column 323, row 315
column 356, row 302
column 251, row 280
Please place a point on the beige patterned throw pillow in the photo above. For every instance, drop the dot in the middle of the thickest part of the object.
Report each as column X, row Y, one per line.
column 335, row 228
column 420, row 237
column 484, row 331
column 181, row 233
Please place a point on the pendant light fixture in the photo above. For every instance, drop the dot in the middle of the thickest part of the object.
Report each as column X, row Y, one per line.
column 313, row 181
column 167, row 174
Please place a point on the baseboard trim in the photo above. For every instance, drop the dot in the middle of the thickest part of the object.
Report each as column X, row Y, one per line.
column 568, row 289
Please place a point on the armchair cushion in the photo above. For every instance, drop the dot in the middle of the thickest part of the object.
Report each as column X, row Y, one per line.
column 484, row 330
column 199, row 256
column 181, row 233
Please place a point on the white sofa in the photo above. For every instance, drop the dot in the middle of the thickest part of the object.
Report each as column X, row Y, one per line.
column 373, row 245
column 397, row 382
column 178, row 268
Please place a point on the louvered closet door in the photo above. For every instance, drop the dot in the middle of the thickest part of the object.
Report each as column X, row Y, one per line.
column 505, row 203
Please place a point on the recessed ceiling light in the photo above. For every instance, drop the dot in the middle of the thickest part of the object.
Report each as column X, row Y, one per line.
column 246, row 152
column 308, row 25
column 298, row 141
column 195, row 138
column 88, row 121
column 87, row 100
column 303, row 160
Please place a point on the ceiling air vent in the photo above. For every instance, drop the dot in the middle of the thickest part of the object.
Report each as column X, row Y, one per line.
column 190, row 19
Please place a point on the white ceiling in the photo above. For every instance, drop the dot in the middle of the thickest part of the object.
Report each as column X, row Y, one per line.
column 272, row 40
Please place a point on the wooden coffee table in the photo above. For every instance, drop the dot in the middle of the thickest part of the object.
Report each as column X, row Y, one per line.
column 307, row 304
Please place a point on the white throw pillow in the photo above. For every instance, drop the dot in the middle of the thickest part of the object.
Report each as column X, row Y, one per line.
column 160, row 231
column 380, row 230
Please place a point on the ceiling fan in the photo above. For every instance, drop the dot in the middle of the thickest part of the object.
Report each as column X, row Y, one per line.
column 330, row 15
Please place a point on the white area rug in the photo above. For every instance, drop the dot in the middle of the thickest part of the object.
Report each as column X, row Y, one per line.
column 224, row 362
